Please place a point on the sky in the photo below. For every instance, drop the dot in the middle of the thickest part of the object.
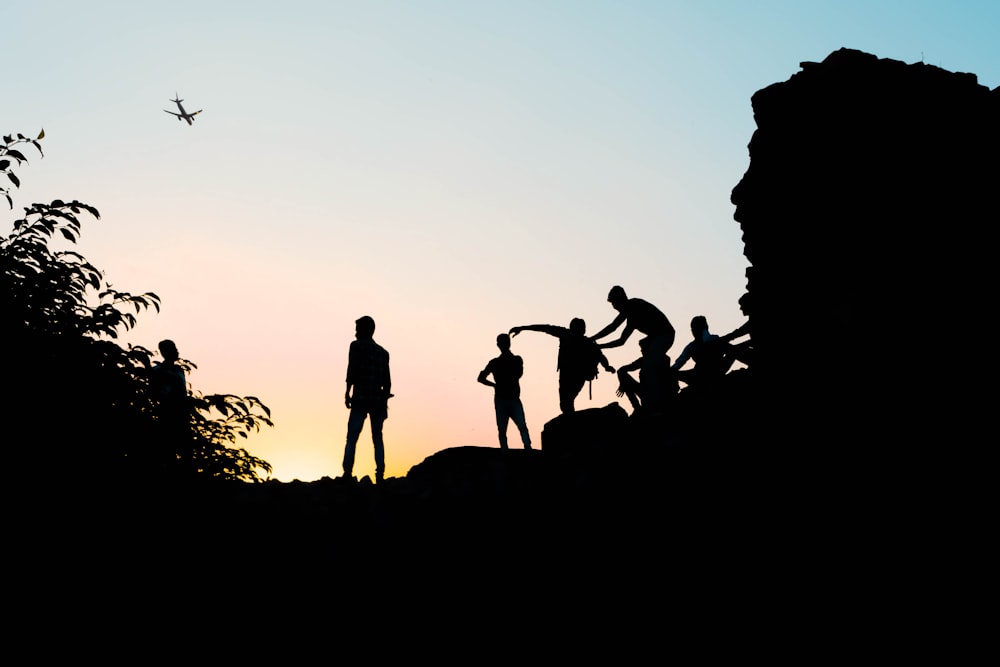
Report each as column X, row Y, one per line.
column 450, row 168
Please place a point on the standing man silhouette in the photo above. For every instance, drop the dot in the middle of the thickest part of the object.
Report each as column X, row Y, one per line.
column 637, row 315
column 168, row 384
column 506, row 370
column 167, row 378
column 368, row 377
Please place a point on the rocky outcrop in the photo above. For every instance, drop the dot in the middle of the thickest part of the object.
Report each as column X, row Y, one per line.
column 867, row 214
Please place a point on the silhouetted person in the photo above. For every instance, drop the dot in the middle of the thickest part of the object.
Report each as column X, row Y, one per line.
column 656, row 387
column 506, row 370
column 637, row 315
column 167, row 378
column 578, row 361
column 742, row 351
column 169, row 391
column 711, row 356
column 368, row 376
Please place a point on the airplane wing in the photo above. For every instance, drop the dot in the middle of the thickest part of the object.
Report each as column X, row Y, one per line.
column 173, row 114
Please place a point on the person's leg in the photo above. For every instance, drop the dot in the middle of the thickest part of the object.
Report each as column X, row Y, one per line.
column 569, row 389
column 743, row 352
column 690, row 377
column 376, row 426
column 502, row 418
column 355, row 422
column 517, row 414
column 630, row 387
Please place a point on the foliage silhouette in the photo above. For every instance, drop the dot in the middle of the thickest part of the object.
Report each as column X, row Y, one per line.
column 78, row 402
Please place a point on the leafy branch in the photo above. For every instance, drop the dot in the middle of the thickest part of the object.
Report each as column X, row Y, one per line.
column 8, row 152
column 84, row 399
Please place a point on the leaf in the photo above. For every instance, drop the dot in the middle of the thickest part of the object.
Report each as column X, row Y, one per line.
column 4, row 164
column 14, row 179
column 17, row 155
column 41, row 135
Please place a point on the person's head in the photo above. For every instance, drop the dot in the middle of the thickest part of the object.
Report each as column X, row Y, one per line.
column 503, row 341
column 578, row 326
column 617, row 297
column 364, row 327
column 169, row 350
column 745, row 304
column 699, row 324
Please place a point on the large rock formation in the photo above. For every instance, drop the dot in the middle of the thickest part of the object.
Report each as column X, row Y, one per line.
column 866, row 214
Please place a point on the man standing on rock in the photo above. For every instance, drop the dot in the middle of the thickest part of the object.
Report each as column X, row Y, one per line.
column 368, row 376
column 506, row 370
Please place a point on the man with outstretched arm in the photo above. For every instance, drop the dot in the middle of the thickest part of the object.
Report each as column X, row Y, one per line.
column 578, row 361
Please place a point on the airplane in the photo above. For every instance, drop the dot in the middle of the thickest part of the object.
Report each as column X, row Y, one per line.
column 183, row 115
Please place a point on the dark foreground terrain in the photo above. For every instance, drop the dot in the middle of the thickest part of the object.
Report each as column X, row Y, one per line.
column 606, row 499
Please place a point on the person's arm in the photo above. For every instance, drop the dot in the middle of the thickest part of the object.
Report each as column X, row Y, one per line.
column 629, row 367
column 626, row 332
column 737, row 333
column 549, row 329
column 608, row 329
column 484, row 377
column 604, row 362
column 623, row 373
column 685, row 355
column 350, row 374
column 388, row 378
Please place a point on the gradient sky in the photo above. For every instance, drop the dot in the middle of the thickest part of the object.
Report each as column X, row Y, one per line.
column 452, row 169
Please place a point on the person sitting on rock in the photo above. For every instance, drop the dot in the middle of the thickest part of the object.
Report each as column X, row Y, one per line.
column 657, row 386
column 711, row 355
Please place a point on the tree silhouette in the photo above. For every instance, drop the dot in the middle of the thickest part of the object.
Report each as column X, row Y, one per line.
column 78, row 402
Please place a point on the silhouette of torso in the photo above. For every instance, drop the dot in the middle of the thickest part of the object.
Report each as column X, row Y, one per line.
column 506, row 370
column 708, row 354
column 368, row 369
column 169, row 383
column 578, row 356
column 647, row 318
